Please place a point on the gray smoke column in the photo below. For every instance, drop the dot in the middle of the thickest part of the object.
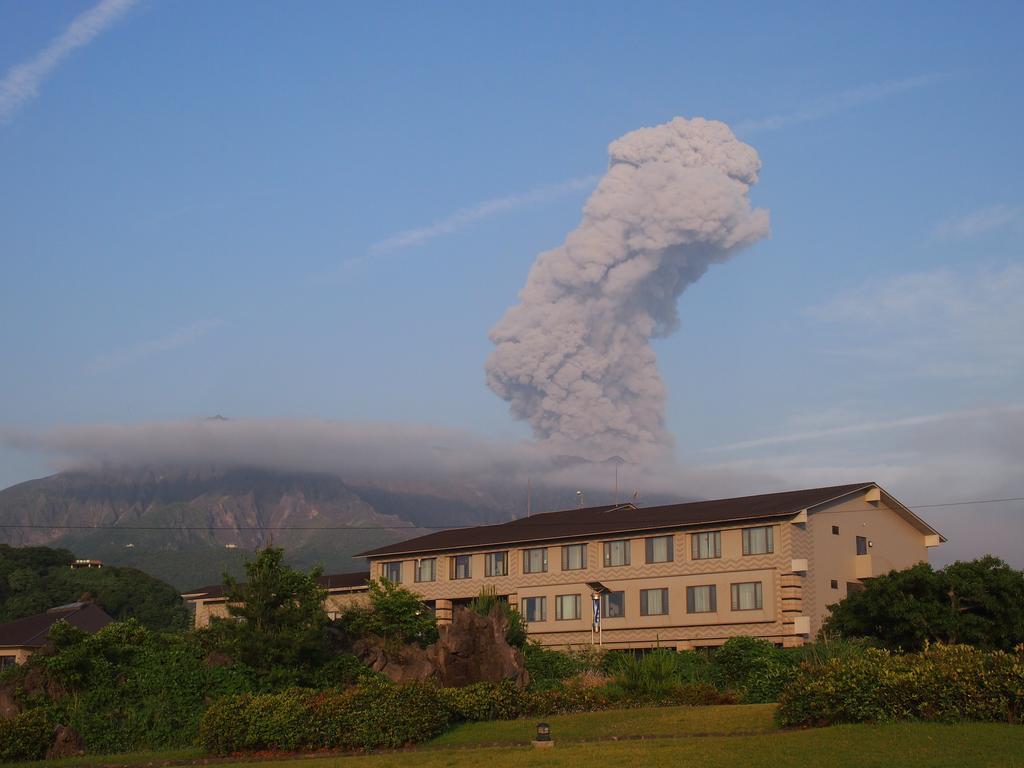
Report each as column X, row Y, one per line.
column 574, row 356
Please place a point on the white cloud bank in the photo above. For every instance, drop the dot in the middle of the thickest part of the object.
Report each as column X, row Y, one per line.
column 21, row 83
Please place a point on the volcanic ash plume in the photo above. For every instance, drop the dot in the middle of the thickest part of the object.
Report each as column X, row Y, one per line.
column 574, row 356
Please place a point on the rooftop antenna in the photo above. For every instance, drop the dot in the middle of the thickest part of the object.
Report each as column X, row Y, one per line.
column 529, row 496
column 616, row 499
column 579, row 499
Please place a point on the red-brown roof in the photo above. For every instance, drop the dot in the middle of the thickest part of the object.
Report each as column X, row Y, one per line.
column 331, row 581
column 31, row 631
column 624, row 518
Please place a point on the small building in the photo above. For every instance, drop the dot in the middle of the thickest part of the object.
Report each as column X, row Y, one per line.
column 86, row 564
column 342, row 590
column 20, row 638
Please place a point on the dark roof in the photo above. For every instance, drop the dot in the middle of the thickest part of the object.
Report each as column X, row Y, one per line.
column 32, row 630
column 332, row 581
column 624, row 518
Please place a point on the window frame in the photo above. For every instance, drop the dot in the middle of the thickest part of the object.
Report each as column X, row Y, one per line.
column 386, row 567
column 694, row 547
column 488, row 561
column 769, row 540
column 862, row 544
column 606, row 551
column 454, row 573
column 649, row 548
column 543, row 603
column 734, row 595
column 606, row 600
column 578, row 604
column 416, row 570
column 691, row 602
column 565, row 556
column 645, row 601
column 526, row 560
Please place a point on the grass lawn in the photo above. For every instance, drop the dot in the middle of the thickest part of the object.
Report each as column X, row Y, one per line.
column 712, row 737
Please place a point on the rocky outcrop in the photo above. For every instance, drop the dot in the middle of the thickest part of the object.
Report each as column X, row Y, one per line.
column 67, row 742
column 472, row 649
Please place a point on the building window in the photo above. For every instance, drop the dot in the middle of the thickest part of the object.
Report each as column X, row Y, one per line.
column 658, row 549
column 747, row 596
column 852, row 587
column 758, row 541
column 535, row 608
column 613, row 605
column 574, row 557
column 616, row 553
column 462, row 567
column 701, row 599
column 834, row 584
column 704, row 546
column 6, row 662
column 862, row 545
column 653, row 602
column 426, row 569
column 535, row 560
column 835, row 530
column 567, row 607
column 392, row 572
column 496, row 564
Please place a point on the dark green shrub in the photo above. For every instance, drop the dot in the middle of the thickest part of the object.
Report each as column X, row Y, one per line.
column 342, row 670
column 943, row 683
column 25, row 736
column 485, row 701
column 374, row 714
column 755, row 668
column 548, row 668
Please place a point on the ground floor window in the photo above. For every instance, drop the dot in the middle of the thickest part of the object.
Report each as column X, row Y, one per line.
column 6, row 662
column 701, row 599
column 535, row 608
column 653, row 602
column 613, row 605
column 747, row 596
column 567, row 607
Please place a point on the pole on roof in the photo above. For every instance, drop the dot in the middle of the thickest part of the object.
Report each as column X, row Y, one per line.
column 616, row 485
column 529, row 496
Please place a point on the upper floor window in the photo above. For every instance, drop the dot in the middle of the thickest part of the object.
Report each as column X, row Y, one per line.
column 462, row 567
column 659, row 549
column 496, row 564
column 758, row 541
column 535, row 608
column 392, row 572
column 567, row 607
column 747, row 596
column 574, row 557
column 535, row 560
column 426, row 569
column 706, row 545
column 862, row 545
column 613, row 605
column 702, row 599
column 616, row 553
column 653, row 602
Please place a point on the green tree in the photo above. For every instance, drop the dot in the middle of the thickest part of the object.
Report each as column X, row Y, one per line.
column 276, row 617
column 980, row 602
column 486, row 601
column 392, row 612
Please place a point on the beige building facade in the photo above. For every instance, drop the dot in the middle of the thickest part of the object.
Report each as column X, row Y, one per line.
column 680, row 576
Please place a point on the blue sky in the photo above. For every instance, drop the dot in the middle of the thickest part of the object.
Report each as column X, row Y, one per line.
column 202, row 211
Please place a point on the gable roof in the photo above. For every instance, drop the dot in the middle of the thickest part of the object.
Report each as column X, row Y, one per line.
column 31, row 631
column 351, row 580
column 624, row 518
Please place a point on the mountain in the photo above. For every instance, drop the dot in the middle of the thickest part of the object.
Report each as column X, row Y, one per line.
column 187, row 526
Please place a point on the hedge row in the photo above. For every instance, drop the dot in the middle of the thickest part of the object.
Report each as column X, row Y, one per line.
column 943, row 683
column 25, row 736
column 378, row 714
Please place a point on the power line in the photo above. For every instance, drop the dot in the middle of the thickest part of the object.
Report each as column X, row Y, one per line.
column 531, row 522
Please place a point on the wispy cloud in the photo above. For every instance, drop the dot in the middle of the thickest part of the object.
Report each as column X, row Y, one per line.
column 835, row 103
column 864, row 428
column 21, row 83
column 127, row 355
column 464, row 217
column 978, row 222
